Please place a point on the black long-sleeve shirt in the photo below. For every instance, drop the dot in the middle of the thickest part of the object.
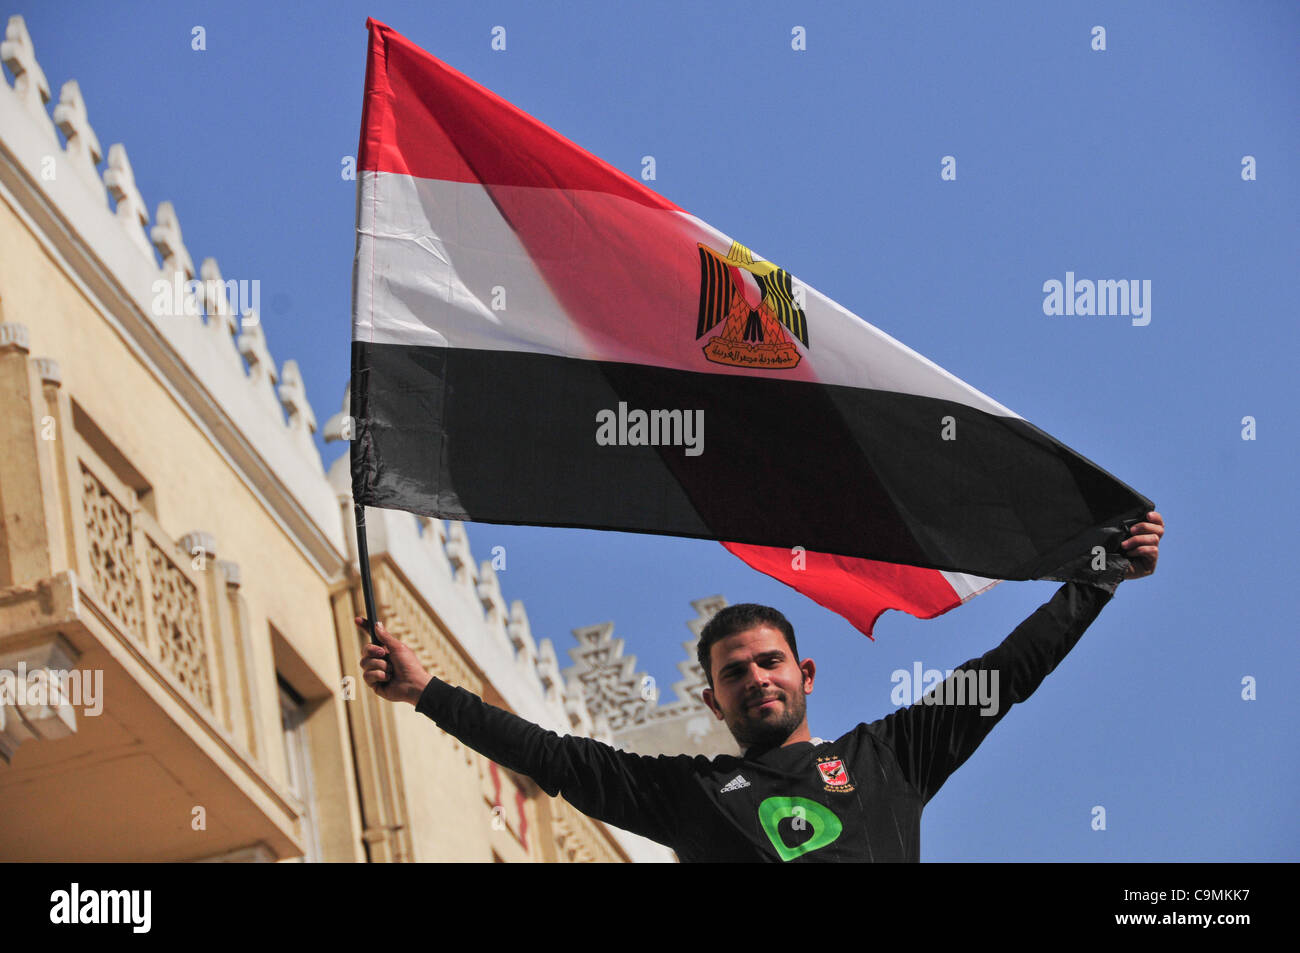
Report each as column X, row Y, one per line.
column 856, row 798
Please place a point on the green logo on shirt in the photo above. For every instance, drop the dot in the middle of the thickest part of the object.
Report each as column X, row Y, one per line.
column 825, row 825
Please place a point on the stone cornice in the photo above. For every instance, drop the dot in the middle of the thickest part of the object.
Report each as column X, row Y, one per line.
column 69, row 216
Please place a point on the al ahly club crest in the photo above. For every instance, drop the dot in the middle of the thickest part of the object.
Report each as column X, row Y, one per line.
column 834, row 774
column 755, row 314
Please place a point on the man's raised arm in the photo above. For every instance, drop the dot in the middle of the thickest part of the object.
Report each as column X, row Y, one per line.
column 935, row 736
column 635, row 792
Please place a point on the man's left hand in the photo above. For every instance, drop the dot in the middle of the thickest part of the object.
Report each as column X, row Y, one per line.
column 1143, row 546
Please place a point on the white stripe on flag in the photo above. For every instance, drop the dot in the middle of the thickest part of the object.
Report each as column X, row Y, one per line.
column 435, row 257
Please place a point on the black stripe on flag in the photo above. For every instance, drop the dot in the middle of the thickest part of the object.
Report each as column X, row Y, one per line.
column 506, row 437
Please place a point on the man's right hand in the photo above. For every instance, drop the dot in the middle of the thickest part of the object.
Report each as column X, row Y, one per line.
column 393, row 655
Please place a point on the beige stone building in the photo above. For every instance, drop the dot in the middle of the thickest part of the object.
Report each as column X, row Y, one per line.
column 178, row 575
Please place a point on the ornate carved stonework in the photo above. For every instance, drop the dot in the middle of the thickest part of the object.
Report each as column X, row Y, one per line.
column 407, row 620
column 577, row 837
column 180, row 627
column 112, row 552
column 609, row 680
column 627, row 698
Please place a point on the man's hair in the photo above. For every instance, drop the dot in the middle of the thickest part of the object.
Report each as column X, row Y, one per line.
column 739, row 618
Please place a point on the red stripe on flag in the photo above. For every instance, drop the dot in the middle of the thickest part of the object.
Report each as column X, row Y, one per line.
column 492, row 139
column 857, row 589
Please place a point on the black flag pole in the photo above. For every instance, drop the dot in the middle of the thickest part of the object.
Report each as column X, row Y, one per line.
column 363, row 558
column 367, row 590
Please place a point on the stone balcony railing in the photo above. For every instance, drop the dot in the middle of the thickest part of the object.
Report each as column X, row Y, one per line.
column 142, row 578
column 172, row 600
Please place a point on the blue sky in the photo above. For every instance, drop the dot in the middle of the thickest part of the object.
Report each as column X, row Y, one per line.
column 1117, row 164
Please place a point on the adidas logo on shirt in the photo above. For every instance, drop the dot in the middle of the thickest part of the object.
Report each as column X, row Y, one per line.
column 735, row 784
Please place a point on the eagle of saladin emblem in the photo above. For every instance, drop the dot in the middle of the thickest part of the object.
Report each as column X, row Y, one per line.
column 752, row 335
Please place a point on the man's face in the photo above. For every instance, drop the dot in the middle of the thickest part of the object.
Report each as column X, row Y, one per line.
column 759, row 687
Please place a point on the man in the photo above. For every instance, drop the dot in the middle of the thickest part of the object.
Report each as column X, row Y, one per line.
column 790, row 796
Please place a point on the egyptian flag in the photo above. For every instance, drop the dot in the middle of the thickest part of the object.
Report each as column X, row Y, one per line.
column 541, row 339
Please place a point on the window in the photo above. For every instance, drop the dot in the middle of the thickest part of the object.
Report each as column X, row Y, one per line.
column 293, row 718
column 106, row 449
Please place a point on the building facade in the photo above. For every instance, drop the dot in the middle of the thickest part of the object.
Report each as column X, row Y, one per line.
column 178, row 573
